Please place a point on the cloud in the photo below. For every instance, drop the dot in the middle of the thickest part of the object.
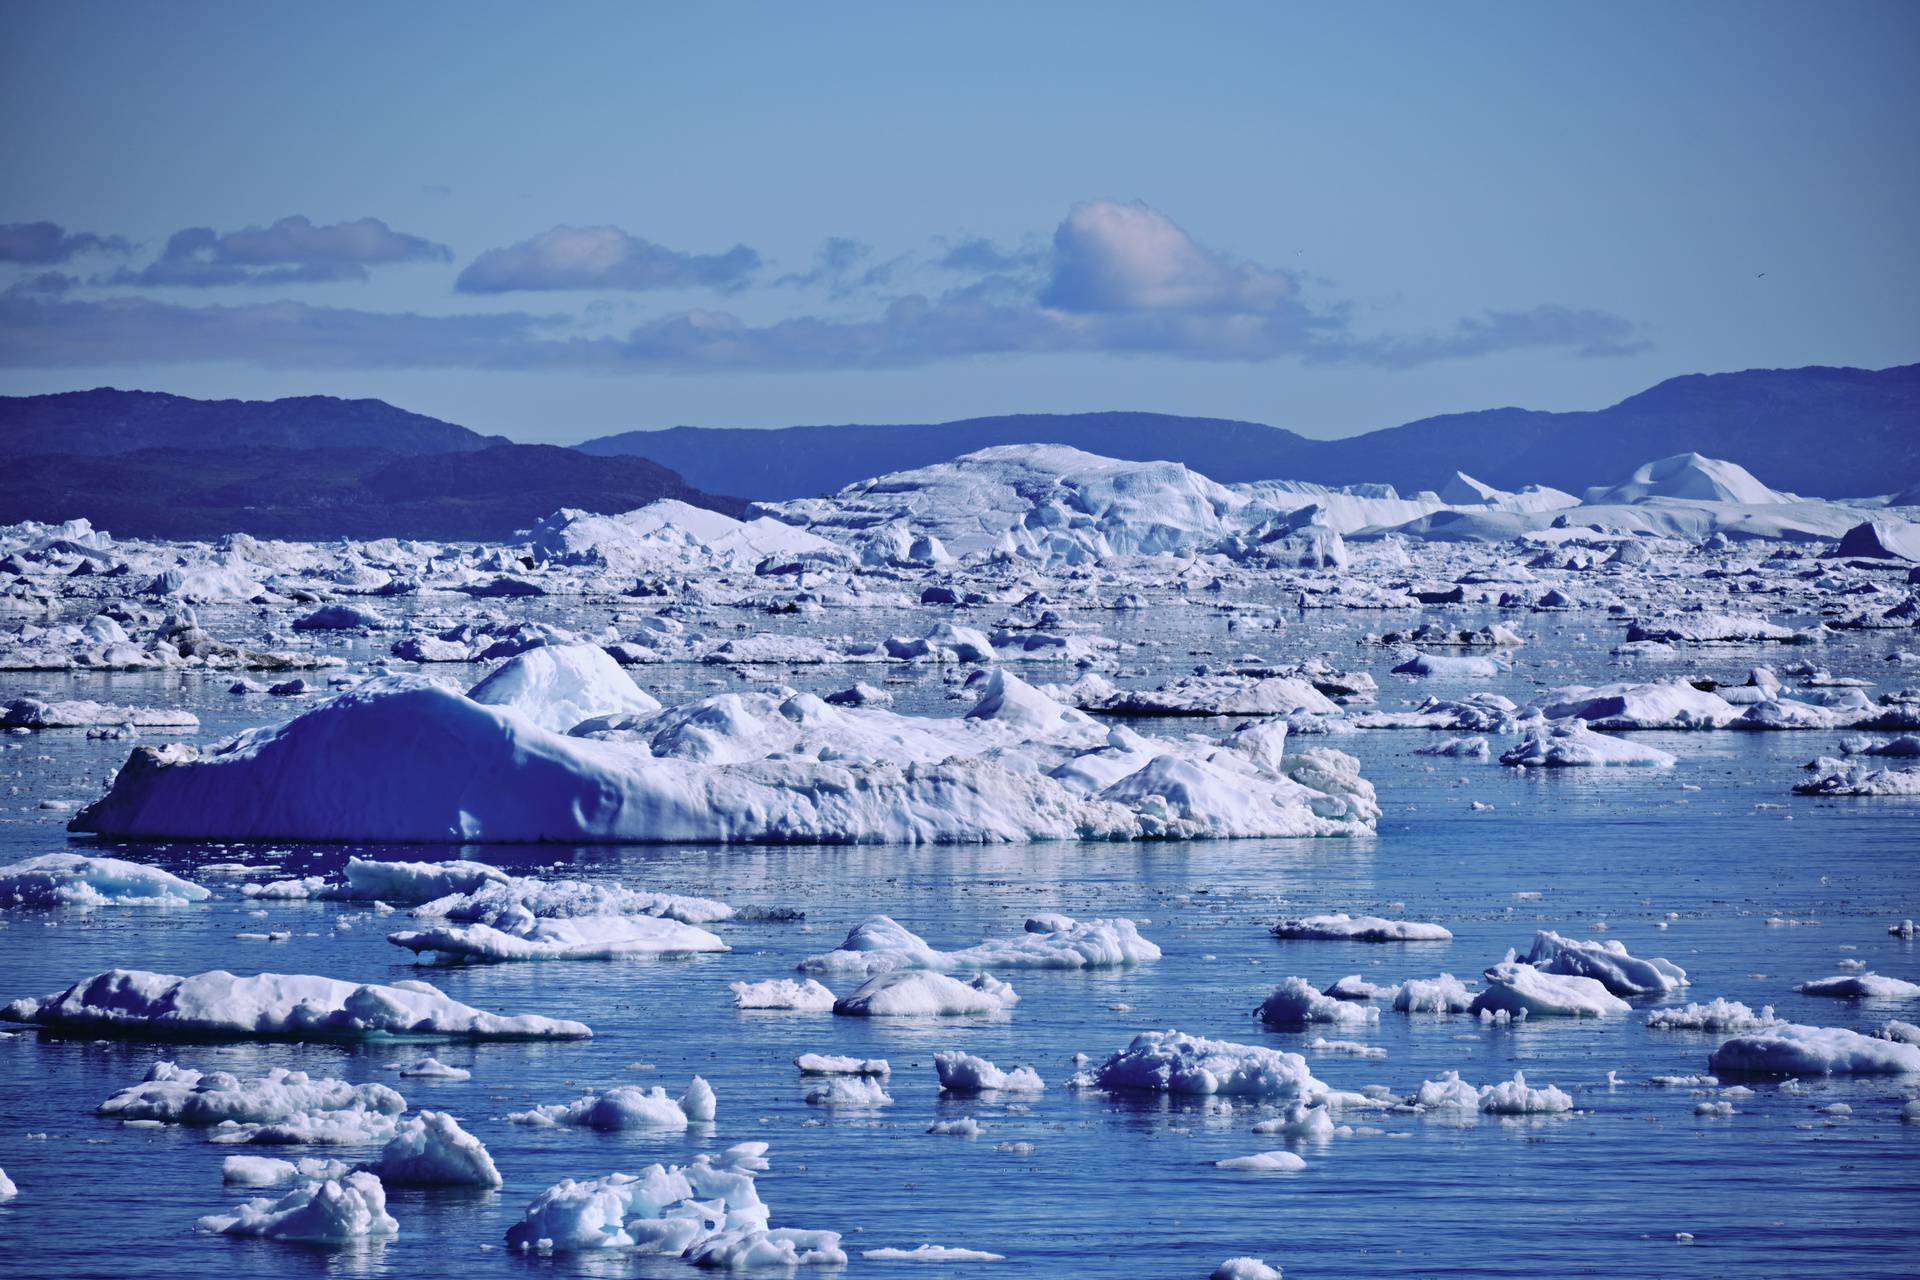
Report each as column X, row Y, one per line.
column 980, row 256
column 844, row 267
column 291, row 251
column 1112, row 257
column 1116, row 279
column 43, row 244
column 603, row 258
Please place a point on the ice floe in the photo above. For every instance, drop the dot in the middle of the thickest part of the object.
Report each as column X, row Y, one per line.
column 338, row 1209
column 75, row 880
column 964, row 1073
column 919, row 993
column 1346, row 928
column 1518, row 988
column 880, row 944
column 627, row 1107
column 1178, row 1063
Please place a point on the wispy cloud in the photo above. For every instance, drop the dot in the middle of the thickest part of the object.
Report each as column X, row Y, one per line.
column 604, row 258
column 43, row 244
column 291, row 251
column 1115, row 279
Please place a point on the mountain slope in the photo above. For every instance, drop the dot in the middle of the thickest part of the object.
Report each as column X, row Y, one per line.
column 1818, row 431
column 316, row 494
column 106, row 420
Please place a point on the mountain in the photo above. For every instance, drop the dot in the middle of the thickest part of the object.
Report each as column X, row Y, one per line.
column 1820, row 431
column 106, row 420
column 318, row 494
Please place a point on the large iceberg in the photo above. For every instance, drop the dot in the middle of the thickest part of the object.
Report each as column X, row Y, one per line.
column 219, row 1005
column 402, row 759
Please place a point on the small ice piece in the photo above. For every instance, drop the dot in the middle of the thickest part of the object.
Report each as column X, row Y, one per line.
column 338, row 1209
column 924, row 994
column 1715, row 1108
column 965, row 1074
column 881, row 943
column 965, row 1127
column 1515, row 989
column 135, row 1002
column 1175, row 1062
column 1606, row 962
column 1444, row 994
column 849, row 1091
column 1514, row 1098
column 1354, row 987
column 1861, row 986
column 1299, row 1123
column 1788, row 1048
column 71, row 880
column 1320, row 1044
column 1909, row 1114
column 1264, row 1162
column 828, row 1064
column 932, row 1253
column 804, row 996
column 1294, row 1003
column 1245, row 1269
column 431, row 1068
column 1346, row 928
column 1719, row 1015
column 1904, row 1032
column 431, row 1149
column 7, row 1189
column 626, row 1106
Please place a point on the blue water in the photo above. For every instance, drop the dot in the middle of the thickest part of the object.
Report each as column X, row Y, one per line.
column 1113, row 1187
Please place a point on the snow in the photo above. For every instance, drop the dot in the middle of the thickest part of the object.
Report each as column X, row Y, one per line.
column 1175, row 1062
column 626, row 1107
column 1516, row 988
column 1607, row 962
column 708, row 1211
column 431, row 1149
column 1346, row 928
column 964, row 1073
column 803, row 996
column 74, row 880
column 135, row 1002
column 346, row 1208
column 556, row 686
column 529, row 937
column 911, row 993
column 1788, row 1048
column 1295, row 1003
column 402, row 759
column 880, row 944
column 1570, row 744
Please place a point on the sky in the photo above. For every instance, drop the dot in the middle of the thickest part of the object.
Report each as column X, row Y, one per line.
column 555, row 222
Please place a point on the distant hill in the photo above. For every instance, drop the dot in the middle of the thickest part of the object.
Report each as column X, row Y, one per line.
column 106, row 420
column 1817, row 431
column 319, row 494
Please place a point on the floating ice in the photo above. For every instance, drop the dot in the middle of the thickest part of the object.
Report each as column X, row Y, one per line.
column 1295, row 1003
column 1346, row 928
column 134, row 1002
column 932, row 1253
column 1516, row 988
column 627, row 1107
column 432, row 1069
column 1861, row 986
column 345, row 1208
column 71, row 880
column 173, row 1094
column 1570, row 744
column 828, row 1064
column 1606, row 962
column 1720, row 1015
column 1788, row 1048
column 880, row 944
column 1174, row 1062
column 850, row 1091
column 524, row 936
column 34, row 713
column 1444, row 994
column 557, row 686
column 431, row 1149
column 964, row 1073
column 1245, row 1269
column 1265, row 1162
column 907, row 993
column 804, row 996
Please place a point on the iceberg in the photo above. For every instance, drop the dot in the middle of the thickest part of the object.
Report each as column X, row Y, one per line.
column 219, row 1005
column 963, row 1073
column 72, row 880
column 880, row 944
column 171, row 1094
column 339, row 1209
column 919, row 993
column 1346, row 928
column 1295, row 1003
column 804, row 996
column 1861, row 986
column 1789, row 1048
column 529, row 937
column 1520, row 989
column 1570, row 744
column 1178, row 1063
column 557, row 686
column 627, row 1107
column 431, row 1149
column 1607, row 962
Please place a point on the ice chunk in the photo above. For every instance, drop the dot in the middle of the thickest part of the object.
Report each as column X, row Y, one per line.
column 135, row 1002
column 72, row 880
column 1861, row 986
column 1265, row 1162
column 1346, row 928
column 34, row 713
column 627, row 1107
column 1295, row 1003
column 1516, row 988
column 1444, row 994
column 1245, row 1269
column 431, row 1149
column 1570, row 744
column 266, row 1171
column 1174, row 1062
column 173, row 1094
column 804, row 996
column 932, row 1253
column 829, row 1064
column 1720, row 1015
column 924, row 994
column 964, row 1073
column 849, row 1091
column 524, row 936
column 346, row 1208
column 1606, row 962
column 432, row 1069
column 1788, row 1048
column 880, row 944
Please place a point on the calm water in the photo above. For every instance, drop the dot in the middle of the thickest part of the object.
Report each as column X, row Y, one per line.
column 1112, row 1187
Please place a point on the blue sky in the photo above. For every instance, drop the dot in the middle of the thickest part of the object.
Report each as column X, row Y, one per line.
column 562, row 221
